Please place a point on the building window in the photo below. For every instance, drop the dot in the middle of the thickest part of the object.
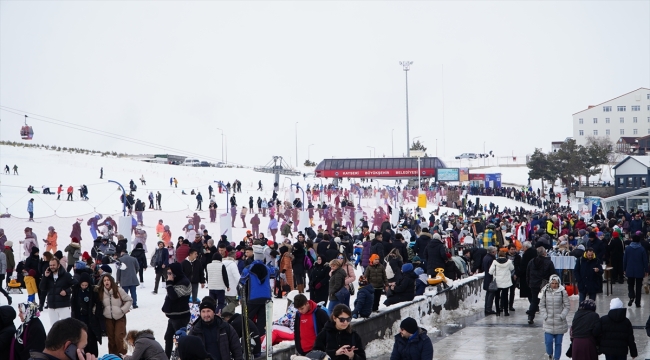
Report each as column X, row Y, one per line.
column 634, row 120
column 648, row 131
column 620, row 108
column 635, row 131
column 607, row 131
column 636, row 107
column 648, row 107
column 580, row 121
column 606, row 120
column 581, row 132
column 622, row 131
column 622, row 120
column 648, row 96
column 595, row 132
column 595, row 120
column 607, row 108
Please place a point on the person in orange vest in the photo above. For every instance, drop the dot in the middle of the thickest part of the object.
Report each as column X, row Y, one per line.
column 59, row 190
column 70, row 192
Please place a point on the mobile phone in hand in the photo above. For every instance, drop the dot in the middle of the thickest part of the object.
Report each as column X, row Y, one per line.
column 71, row 352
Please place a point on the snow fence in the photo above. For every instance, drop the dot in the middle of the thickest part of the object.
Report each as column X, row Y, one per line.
column 437, row 306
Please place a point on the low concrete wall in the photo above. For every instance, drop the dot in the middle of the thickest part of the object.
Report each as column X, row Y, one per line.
column 430, row 309
column 601, row 191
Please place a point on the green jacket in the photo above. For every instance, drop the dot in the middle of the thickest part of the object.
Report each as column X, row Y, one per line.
column 376, row 275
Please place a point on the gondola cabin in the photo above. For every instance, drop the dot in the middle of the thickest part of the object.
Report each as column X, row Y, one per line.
column 26, row 132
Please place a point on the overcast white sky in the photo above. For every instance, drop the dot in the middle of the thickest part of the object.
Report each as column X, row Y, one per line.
column 171, row 73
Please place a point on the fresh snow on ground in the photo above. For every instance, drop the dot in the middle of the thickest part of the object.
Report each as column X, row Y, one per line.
column 40, row 167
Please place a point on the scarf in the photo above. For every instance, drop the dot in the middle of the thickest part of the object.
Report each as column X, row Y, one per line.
column 30, row 310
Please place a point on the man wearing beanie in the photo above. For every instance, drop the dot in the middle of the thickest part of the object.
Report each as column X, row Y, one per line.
column 219, row 338
column 176, row 306
column 376, row 276
column 614, row 333
column 635, row 265
column 412, row 342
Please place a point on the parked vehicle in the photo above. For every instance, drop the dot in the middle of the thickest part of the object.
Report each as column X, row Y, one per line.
column 467, row 156
column 191, row 162
column 204, row 164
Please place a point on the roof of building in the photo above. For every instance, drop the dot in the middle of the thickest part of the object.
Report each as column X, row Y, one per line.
column 627, row 139
column 592, row 106
column 643, row 160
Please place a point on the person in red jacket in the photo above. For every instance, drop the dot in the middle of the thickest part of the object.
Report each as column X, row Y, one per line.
column 182, row 250
column 70, row 192
column 310, row 320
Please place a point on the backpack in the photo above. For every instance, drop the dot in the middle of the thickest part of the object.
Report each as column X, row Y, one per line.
column 76, row 254
column 410, row 253
column 154, row 258
column 389, row 270
column 308, row 262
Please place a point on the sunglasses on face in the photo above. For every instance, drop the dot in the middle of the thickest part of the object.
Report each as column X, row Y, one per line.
column 340, row 257
column 344, row 319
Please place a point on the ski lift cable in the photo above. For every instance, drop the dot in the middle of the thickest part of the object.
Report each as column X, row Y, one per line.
column 103, row 133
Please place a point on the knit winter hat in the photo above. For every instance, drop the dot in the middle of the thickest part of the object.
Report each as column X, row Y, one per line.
column 208, row 303
column 588, row 304
column 406, row 268
column 107, row 269
column 410, row 325
column 363, row 281
column 418, row 271
column 373, row 257
column 616, row 303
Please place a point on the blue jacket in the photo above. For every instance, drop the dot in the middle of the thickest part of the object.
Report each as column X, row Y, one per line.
column 30, row 206
column 416, row 347
column 635, row 261
column 487, row 262
column 363, row 303
column 636, row 225
column 257, row 277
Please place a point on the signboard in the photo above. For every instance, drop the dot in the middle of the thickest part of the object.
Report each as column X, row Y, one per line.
column 390, row 173
column 464, row 174
column 476, row 177
column 448, row 175
column 580, row 194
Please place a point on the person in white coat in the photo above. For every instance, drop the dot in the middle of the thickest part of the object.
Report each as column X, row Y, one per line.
column 554, row 308
column 233, row 278
column 521, row 232
column 502, row 270
column 218, row 281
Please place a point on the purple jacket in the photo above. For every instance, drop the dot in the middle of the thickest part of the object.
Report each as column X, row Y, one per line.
column 365, row 254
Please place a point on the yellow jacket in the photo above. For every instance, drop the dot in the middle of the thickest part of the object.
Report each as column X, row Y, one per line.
column 30, row 284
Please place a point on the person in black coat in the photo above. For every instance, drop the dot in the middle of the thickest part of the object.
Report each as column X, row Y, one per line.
column 84, row 301
column 139, row 254
column 337, row 333
column 435, row 255
column 298, row 266
column 615, row 250
column 588, row 272
column 421, row 242
column 404, row 290
column 7, row 329
column 538, row 270
column 377, row 247
column 514, row 256
column 237, row 322
column 489, row 295
column 319, row 278
column 615, row 333
column 58, row 291
column 598, row 246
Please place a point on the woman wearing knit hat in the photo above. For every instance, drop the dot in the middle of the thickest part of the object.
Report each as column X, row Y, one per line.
column 412, row 342
column 615, row 333
column 376, row 275
column 583, row 342
column 554, row 308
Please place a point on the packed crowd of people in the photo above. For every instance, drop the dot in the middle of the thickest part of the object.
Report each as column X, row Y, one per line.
column 315, row 269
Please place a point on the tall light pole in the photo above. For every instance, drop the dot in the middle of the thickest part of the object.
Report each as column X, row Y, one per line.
column 373, row 151
column 296, row 144
column 392, row 146
column 222, row 158
column 406, row 65
column 309, row 152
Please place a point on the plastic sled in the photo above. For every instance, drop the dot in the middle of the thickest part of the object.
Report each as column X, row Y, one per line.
column 440, row 277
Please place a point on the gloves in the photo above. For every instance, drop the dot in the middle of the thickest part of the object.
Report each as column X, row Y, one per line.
column 318, row 286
